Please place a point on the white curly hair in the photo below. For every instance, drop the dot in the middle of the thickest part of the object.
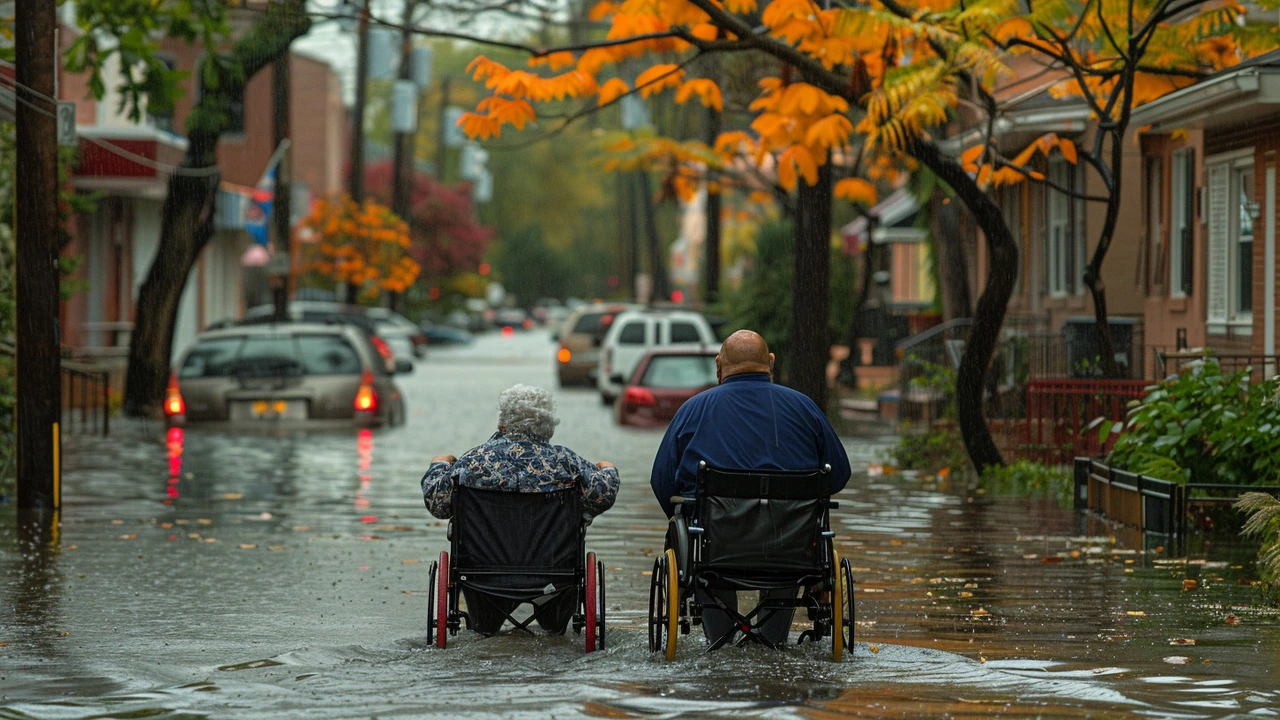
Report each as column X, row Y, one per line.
column 527, row 410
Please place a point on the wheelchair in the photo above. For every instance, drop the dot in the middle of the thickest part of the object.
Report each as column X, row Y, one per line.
column 752, row 530
column 516, row 549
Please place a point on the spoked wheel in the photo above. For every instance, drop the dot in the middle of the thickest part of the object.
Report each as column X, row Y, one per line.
column 837, row 607
column 431, row 602
column 657, row 603
column 846, row 580
column 603, row 605
column 442, row 600
column 590, row 605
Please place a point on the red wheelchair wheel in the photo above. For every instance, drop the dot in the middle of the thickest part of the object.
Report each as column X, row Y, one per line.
column 591, row 603
column 442, row 600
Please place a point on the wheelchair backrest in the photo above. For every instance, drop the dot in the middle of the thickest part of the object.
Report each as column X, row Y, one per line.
column 770, row 520
column 529, row 531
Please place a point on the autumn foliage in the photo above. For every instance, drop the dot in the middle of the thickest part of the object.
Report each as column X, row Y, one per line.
column 365, row 246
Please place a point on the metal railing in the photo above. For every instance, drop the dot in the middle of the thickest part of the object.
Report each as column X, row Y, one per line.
column 1260, row 366
column 86, row 396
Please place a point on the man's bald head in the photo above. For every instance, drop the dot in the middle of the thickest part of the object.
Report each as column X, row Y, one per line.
column 744, row 352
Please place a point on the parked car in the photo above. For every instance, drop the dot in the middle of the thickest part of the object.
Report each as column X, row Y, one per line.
column 662, row 382
column 514, row 318
column 636, row 332
column 445, row 335
column 318, row 311
column 283, row 373
column 577, row 356
column 393, row 324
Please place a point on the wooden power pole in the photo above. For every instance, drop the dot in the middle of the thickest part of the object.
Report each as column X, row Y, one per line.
column 39, row 366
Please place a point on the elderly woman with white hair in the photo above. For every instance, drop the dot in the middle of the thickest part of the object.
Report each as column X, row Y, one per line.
column 519, row 457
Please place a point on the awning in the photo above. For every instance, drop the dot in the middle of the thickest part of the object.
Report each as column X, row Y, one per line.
column 1229, row 98
column 892, row 215
column 127, row 161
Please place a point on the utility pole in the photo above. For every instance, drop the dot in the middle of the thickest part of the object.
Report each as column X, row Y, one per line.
column 712, row 255
column 280, row 204
column 402, row 168
column 36, row 204
column 356, row 179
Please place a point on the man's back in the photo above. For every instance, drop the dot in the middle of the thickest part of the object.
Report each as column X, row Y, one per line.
column 746, row 423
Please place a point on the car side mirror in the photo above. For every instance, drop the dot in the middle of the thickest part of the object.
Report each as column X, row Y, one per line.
column 617, row 379
column 403, row 365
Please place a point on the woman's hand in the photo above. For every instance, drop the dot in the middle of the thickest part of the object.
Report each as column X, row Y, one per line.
column 444, row 458
column 604, row 464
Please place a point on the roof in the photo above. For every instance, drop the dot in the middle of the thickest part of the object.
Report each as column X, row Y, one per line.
column 893, row 212
column 1235, row 95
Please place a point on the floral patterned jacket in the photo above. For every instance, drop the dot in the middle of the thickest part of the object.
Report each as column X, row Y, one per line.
column 519, row 464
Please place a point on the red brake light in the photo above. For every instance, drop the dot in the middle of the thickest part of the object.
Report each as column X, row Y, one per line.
column 173, row 402
column 381, row 345
column 638, row 396
column 366, row 398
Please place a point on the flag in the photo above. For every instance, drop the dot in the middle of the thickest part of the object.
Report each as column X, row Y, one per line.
column 257, row 214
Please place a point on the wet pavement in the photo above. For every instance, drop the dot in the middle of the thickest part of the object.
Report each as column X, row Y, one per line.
column 284, row 574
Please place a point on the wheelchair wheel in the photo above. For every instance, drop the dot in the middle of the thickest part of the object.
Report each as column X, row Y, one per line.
column 590, row 605
column 657, row 603
column 846, row 577
column 442, row 600
column 837, row 607
column 431, row 602
column 673, row 603
column 603, row 605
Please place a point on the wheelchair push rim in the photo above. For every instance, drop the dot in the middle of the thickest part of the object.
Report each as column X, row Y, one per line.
column 591, row 602
column 846, row 578
column 657, row 602
column 603, row 605
column 442, row 600
column 837, row 608
column 431, row 601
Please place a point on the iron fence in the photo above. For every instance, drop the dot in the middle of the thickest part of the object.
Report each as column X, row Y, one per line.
column 86, row 396
column 1260, row 366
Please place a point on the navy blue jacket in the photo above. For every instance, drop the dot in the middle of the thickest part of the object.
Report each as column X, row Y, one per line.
column 746, row 423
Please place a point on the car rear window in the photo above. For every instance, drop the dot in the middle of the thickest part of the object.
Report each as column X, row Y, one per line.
column 271, row 356
column 588, row 323
column 680, row 372
column 211, row 358
column 684, row 332
column 328, row 355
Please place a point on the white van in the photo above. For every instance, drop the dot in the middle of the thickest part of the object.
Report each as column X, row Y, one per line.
column 636, row 332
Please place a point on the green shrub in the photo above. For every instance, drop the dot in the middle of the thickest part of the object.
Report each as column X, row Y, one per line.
column 937, row 448
column 1028, row 479
column 1264, row 522
column 1202, row 424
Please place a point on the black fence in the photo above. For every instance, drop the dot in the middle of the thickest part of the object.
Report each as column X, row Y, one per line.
column 86, row 397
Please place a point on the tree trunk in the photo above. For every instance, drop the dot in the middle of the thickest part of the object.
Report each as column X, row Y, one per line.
column 657, row 248
column 187, row 226
column 811, row 290
column 187, row 217
column 953, row 268
column 992, row 304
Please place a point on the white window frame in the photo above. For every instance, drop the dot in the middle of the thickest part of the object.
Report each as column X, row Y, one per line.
column 1222, row 243
column 1240, row 316
column 1057, row 229
column 1181, row 218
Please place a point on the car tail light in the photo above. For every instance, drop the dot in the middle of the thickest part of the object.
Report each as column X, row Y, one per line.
column 173, row 403
column 527, row 324
column 366, row 397
column 638, row 396
column 381, row 346
column 564, row 355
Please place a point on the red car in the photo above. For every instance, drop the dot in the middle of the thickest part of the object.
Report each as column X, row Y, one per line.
column 662, row 382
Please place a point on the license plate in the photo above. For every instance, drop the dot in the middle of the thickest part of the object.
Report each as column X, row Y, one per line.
column 270, row 410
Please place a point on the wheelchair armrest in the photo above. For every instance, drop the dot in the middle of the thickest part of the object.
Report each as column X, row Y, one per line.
column 676, row 502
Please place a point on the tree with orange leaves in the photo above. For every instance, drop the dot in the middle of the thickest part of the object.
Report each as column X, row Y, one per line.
column 1114, row 56
column 365, row 247
column 884, row 75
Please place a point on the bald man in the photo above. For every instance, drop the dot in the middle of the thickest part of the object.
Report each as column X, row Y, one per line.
column 747, row 423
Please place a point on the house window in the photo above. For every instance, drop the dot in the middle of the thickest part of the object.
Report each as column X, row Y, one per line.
column 1242, row 271
column 163, row 119
column 1064, row 224
column 1181, row 252
column 1155, row 214
column 1232, row 214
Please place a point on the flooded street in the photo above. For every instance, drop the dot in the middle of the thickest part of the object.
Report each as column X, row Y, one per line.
column 205, row 573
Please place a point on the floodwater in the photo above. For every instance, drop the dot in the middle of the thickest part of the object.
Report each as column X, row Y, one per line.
column 211, row 574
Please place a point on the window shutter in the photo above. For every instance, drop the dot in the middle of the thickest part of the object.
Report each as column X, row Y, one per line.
column 1219, row 241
